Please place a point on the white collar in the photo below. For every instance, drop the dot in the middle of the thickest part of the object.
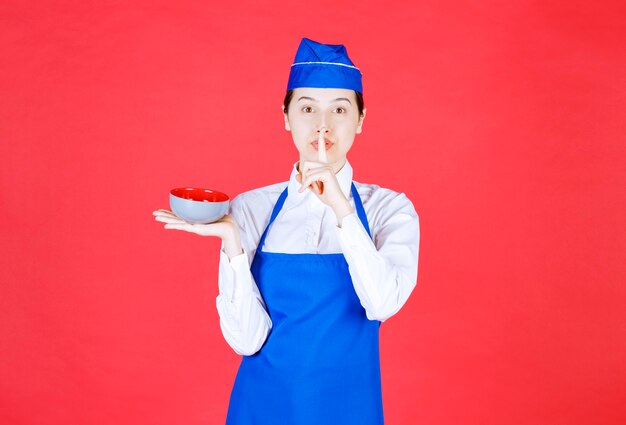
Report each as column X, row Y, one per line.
column 344, row 177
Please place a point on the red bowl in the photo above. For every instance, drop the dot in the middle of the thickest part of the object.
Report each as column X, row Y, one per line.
column 199, row 194
column 198, row 205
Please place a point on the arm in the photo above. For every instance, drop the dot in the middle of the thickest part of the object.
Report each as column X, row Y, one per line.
column 383, row 270
column 244, row 320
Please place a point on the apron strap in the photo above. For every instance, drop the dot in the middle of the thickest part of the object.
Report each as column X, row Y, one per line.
column 281, row 200
column 360, row 210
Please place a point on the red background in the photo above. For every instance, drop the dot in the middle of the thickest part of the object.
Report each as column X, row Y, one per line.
column 504, row 123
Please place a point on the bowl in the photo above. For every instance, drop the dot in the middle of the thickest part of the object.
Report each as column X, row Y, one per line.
column 197, row 205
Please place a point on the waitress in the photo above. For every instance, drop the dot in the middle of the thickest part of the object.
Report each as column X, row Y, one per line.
column 309, row 268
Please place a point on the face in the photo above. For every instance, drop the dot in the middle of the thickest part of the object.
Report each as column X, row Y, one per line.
column 333, row 112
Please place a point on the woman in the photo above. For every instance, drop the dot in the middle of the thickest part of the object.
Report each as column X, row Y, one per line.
column 310, row 268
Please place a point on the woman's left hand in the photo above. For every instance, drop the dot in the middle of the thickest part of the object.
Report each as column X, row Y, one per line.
column 320, row 178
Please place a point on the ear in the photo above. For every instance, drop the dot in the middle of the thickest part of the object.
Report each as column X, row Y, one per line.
column 286, row 118
column 361, row 119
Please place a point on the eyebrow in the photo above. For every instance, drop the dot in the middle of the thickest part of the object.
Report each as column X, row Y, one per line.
column 334, row 100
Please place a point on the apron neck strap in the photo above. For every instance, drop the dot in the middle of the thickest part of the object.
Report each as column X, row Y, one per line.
column 281, row 200
column 360, row 210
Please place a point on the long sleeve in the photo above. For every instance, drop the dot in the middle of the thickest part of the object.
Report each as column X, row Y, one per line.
column 244, row 320
column 383, row 270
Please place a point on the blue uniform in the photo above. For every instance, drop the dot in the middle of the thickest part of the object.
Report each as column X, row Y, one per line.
column 320, row 363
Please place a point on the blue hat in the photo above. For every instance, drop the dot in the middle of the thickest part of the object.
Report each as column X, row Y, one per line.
column 323, row 66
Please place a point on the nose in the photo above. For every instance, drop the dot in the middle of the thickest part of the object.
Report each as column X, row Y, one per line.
column 323, row 124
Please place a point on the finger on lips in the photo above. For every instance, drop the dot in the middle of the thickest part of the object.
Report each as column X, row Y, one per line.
column 321, row 146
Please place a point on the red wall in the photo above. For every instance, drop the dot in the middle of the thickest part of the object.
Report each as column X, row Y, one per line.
column 504, row 124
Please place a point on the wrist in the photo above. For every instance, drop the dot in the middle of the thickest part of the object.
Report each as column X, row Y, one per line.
column 232, row 244
column 342, row 210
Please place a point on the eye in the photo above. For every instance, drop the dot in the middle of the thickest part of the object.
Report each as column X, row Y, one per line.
column 307, row 109
column 340, row 110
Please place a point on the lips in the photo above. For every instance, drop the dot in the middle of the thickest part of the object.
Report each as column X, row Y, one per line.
column 328, row 145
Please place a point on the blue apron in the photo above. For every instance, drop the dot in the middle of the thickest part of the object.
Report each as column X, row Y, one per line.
column 320, row 363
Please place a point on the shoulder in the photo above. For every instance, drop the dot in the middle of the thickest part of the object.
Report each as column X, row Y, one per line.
column 375, row 195
column 260, row 196
column 254, row 206
column 251, row 210
column 382, row 204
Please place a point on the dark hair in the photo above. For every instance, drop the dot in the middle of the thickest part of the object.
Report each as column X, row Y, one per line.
column 359, row 101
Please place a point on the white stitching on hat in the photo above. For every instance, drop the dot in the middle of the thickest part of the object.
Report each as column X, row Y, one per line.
column 327, row 63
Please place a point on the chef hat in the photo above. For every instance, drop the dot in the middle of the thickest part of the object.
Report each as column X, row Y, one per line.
column 323, row 66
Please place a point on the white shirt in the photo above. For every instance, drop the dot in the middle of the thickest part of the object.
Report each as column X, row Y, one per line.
column 383, row 268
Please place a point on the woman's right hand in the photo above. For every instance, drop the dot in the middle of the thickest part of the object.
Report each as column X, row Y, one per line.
column 225, row 228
